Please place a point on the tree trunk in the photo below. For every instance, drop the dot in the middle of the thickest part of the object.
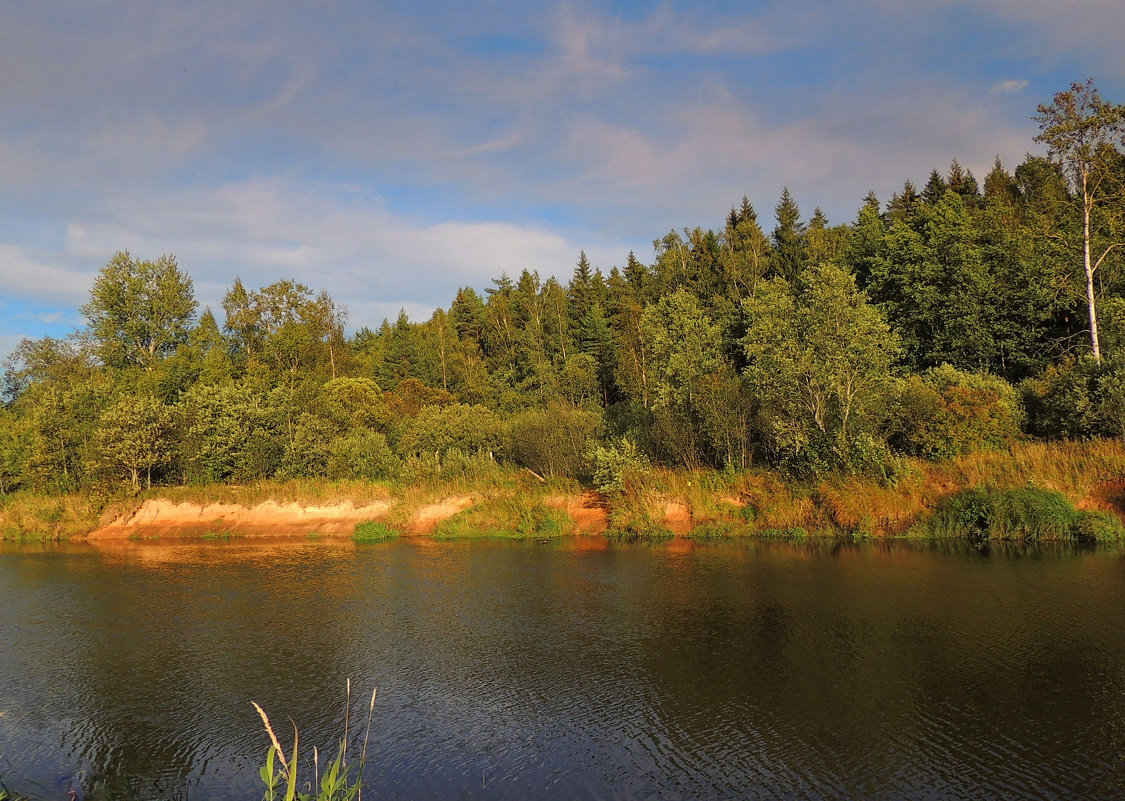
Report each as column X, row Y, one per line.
column 1086, row 203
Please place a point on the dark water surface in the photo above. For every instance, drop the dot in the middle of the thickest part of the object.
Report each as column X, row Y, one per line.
column 569, row 670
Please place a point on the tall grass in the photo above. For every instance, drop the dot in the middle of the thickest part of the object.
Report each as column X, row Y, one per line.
column 335, row 783
column 1023, row 513
column 373, row 531
column 25, row 515
column 513, row 517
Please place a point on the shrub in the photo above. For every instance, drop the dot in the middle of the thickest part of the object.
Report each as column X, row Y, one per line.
column 1060, row 401
column 361, row 454
column 553, row 441
column 354, row 403
column 308, row 451
column 460, row 427
column 616, row 465
column 261, row 456
column 948, row 412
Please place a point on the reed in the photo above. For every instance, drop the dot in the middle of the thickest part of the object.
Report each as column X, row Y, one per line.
column 335, row 783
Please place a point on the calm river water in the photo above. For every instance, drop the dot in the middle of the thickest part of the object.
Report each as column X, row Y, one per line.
column 576, row 669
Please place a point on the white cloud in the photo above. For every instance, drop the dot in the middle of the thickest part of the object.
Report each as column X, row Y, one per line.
column 1008, row 87
column 43, row 277
column 368, row 258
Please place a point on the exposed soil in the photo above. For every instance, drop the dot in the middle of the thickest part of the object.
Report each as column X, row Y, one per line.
column 157, row 518
column 426, row 519
column 677, row 518
column 1106, row 497
column 588, row 511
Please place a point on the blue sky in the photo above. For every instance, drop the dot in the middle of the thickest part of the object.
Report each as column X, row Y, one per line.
column 391, row 152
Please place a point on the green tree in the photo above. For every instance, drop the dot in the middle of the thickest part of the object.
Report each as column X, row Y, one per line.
column 15, row 439
column 819, row 359
column 1085, row 134
column 439, row 430
column 134, row 436
column 215, row 423
column 789, row 243
column 139, row 311
column 687, row 368
column 745, row 251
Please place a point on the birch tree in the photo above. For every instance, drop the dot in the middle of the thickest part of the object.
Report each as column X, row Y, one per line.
column 1085, row 135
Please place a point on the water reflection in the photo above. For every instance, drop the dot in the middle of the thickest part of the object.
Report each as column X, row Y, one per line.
column 577, row 668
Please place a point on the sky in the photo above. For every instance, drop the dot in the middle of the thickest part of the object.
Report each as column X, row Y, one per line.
column 391, row 152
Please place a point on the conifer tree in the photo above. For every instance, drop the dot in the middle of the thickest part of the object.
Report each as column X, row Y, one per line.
column 789, row 243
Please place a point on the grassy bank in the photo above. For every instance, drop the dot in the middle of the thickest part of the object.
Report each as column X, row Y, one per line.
column 1049, row 491
column 1075, row 490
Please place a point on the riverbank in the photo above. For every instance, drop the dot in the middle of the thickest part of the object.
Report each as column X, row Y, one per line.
column 1062, row 490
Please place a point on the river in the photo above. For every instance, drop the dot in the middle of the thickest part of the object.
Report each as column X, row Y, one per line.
column 569, row 669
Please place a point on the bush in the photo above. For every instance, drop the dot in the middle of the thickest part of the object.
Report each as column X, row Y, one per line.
column 308, row 452
column 361, row 454
column 1061, row 401
column 354, row 403
column 554, row 441
column 948, row 412
column 261, row 456
column 616, row 466
column 460, row 427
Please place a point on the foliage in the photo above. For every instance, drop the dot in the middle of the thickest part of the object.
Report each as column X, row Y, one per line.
column 139, row 311
column 616, row 465
column 463, row 428
column 217, row 425
column 831, row 351
column 361, row 454
column 134, row 437
column 1085, row 134
column 819, row 359
column 553, row 442
column 1061, row 402
column 947, row 412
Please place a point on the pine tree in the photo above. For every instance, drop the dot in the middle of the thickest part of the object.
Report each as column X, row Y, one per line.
column 789, row 243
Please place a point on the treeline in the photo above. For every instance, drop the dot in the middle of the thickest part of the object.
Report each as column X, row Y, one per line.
column 953, row 317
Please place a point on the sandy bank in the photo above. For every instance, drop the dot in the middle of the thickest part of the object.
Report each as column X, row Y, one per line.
column 165, row 518
column 155, row 518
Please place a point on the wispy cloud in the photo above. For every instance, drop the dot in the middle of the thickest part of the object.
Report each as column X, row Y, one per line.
column 266, row 230
column 389, row 155
column 1008, row 87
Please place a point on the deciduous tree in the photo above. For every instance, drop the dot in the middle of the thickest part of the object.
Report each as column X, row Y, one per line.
column 1085, row 134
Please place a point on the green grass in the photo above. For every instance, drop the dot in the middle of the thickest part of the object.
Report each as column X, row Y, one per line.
column 25, row 515
column 220, row 534
column 372, row 531
column 1029, row 514
column 513, row 517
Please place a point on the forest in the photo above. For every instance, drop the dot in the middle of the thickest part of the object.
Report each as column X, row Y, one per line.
column 960, row 315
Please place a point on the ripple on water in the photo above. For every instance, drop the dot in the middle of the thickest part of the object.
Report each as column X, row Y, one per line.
column 527, row 671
